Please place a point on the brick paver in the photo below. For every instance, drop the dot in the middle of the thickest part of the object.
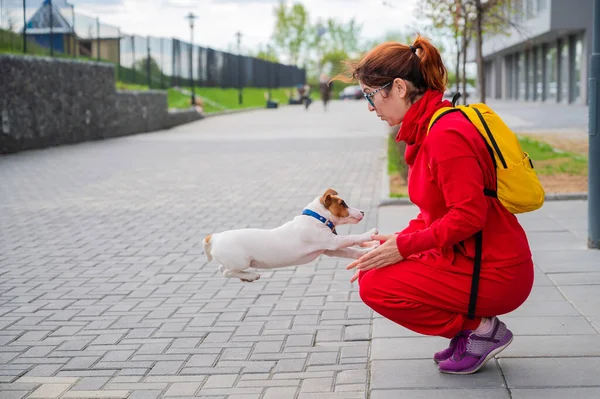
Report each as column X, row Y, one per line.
column 556, row 350
column 105, row 291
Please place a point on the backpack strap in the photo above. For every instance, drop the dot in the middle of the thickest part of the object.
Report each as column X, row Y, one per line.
column 455, row 98
column 445, row 111
column 489, row 134
column 476, row 272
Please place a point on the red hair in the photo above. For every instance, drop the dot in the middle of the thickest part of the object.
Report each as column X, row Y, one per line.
column 420, row 64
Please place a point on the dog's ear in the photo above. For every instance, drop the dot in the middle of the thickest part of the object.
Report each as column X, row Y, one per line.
column 330, row 191
column 326, row 199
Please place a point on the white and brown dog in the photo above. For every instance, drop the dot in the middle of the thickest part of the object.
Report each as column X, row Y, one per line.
column 296, row 242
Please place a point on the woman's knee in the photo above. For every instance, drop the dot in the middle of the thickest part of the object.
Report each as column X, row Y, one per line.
column 366, row 286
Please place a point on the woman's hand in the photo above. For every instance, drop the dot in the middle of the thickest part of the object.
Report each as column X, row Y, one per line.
column 383, row 255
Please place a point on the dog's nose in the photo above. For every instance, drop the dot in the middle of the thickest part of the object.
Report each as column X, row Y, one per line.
column 362, row 213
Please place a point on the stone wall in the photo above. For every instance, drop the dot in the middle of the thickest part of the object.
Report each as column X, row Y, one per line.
column 47, row 101
column 181, row 116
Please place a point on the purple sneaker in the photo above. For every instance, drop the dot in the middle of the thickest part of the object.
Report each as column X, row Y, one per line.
column 474, row 350
column 449, row 351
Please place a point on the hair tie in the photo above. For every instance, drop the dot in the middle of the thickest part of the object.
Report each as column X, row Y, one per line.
column 413, row 49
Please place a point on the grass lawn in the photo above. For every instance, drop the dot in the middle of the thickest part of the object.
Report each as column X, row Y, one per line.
column 396, row 168
column 218, row 99
column 549, row 161
column 130, row 86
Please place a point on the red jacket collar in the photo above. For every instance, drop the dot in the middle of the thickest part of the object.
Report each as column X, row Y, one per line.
column 414, row 125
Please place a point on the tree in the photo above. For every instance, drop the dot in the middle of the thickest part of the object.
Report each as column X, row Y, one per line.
column 142, row 67
column 491, row 17
column 444, row 16
column 450, row 18
column 478, row 18
column 334, row 59
column 398, row 36
column 344, row 36
column 318, row 43
column 291, row 30
column 466, row 12
column 334, row 42
column 267, row 55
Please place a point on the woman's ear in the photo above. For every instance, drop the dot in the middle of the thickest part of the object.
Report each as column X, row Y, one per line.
column 400, row 86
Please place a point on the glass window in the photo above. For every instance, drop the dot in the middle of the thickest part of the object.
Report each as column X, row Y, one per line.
column 518, row 10
column 541, row 5
column 509, row 76
column 564, row 71
column 515, row 68
column 522, row 88
column 489, row 78
column 577, row 70
column 529, row 9
column 539, row 80
column 530, row 76
column 551, row 73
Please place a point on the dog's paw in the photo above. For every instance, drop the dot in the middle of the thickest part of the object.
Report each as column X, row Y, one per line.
column 250, row 277
column 373, row 232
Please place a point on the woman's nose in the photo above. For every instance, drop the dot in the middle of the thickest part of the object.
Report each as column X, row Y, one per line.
column 370, row 107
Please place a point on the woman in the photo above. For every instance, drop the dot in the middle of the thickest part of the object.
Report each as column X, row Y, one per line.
column 421, row 276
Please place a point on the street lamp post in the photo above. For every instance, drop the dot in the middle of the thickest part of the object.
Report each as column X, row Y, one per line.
column 191, row 17
column 594, row 136
column 148, row 63
column 24, row 28
column 98, row 37
column 240, row 82
column 269, row 71
column 74, row 38
column 51, row 28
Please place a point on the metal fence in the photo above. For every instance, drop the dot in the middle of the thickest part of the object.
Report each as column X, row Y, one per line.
column 162, row 62
column 55, row 28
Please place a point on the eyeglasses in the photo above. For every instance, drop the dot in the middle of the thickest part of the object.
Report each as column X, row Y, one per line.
column 369, row 96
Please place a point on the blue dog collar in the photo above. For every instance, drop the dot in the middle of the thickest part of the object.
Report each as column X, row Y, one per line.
column 328, row 223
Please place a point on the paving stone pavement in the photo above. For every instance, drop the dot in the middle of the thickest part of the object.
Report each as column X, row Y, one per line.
column 105, row 291
column 556, row 350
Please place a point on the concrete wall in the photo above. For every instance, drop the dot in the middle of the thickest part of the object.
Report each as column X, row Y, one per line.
column 527, row 31
column 46, row 102
column 569, row 15
column 556, row 19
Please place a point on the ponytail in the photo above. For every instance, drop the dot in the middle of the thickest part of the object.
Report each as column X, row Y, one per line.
column 431, row 65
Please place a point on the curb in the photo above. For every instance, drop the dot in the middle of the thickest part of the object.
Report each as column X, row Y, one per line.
column 231, row 111
column 566, row 196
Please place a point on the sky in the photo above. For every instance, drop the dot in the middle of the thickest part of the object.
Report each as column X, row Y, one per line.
column 219, row 20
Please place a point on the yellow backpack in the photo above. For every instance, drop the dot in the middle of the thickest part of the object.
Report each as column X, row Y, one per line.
column 518, row 187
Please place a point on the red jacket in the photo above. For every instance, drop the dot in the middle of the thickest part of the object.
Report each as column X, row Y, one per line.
column 448, row 170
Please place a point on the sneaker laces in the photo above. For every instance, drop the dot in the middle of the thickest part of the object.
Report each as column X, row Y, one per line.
column 461, row 345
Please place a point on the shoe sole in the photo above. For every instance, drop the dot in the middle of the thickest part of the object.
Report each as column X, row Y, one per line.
column 487, row 358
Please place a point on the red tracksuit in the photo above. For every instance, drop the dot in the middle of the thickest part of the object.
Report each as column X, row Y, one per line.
column 428, row 291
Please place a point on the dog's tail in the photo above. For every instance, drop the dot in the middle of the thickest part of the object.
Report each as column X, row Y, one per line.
column 207, row 247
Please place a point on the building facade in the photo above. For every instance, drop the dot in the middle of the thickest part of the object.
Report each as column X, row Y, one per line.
column 545, row 56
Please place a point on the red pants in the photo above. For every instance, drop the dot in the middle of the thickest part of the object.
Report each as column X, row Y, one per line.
column 434, row 301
